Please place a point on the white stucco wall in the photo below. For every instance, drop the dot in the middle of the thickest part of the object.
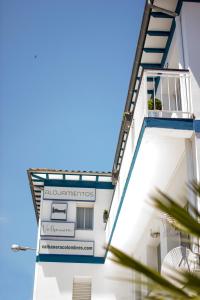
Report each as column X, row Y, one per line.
column 55, row 281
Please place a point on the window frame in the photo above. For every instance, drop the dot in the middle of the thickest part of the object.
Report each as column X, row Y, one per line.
column 85, row 207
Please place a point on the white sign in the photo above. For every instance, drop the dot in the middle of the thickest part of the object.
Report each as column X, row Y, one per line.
column 59, row 211
column 69, row 193
column 57, row 229
column 66, row 247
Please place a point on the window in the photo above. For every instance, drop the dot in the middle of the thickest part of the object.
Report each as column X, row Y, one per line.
column 82, row 288
column 84, row 217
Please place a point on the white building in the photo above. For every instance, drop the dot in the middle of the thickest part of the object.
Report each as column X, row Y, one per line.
column 159, row 146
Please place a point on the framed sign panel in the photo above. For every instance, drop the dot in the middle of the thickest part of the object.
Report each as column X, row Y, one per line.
column 59, row 211
column 66, row 247
column 69, row 193
column 58, row 229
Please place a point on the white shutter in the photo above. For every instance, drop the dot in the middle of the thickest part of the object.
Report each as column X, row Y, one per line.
column 82, row 288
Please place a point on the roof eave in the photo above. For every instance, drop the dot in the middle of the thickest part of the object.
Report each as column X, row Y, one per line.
column 136, row 65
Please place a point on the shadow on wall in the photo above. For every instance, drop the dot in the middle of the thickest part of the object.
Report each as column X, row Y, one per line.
column 104, row 281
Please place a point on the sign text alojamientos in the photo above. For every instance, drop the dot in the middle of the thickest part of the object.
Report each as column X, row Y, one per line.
column 65, row 229
column 69, row 193
column 66, row 247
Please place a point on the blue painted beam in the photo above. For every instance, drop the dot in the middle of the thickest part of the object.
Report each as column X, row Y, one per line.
column 151, row 79
column 150, row 66
column 154, row 50
column 63, row 258
column 38, row 180
column 150, row 91
column 78, row 183
column 197, row 1
column 38, row 177
column 162, row 15
column 158, row 33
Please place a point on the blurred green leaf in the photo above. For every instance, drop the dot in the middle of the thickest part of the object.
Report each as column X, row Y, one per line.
column 187, row 222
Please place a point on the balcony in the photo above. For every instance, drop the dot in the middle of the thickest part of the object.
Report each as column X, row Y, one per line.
column 162, row 93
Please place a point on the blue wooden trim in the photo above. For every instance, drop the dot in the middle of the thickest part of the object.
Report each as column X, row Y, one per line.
column 182, row 124
column 197, row 125
column 79, row 183
column 149, row 91
column 38, row 177
column 150, row 65
column 162, row 15
column 38, row 180
column 158, row 33
column 149, row 79
column 62, row 258
column 196, row 1
column 179, row 6
column 154, row 50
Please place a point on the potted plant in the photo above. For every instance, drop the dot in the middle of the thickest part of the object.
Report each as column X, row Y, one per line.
column 154, row 104
column 105, row 216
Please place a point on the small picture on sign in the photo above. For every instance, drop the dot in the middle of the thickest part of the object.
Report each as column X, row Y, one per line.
column 59, row 211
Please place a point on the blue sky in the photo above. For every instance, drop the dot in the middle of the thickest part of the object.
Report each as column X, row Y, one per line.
column 65, row 67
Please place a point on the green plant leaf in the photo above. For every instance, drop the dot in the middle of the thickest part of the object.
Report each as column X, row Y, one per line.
column 129, row 262
column 183, row 220
column 188, row 223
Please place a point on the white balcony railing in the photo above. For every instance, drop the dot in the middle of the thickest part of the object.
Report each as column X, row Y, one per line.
column 163, row 94
column 167, row 92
